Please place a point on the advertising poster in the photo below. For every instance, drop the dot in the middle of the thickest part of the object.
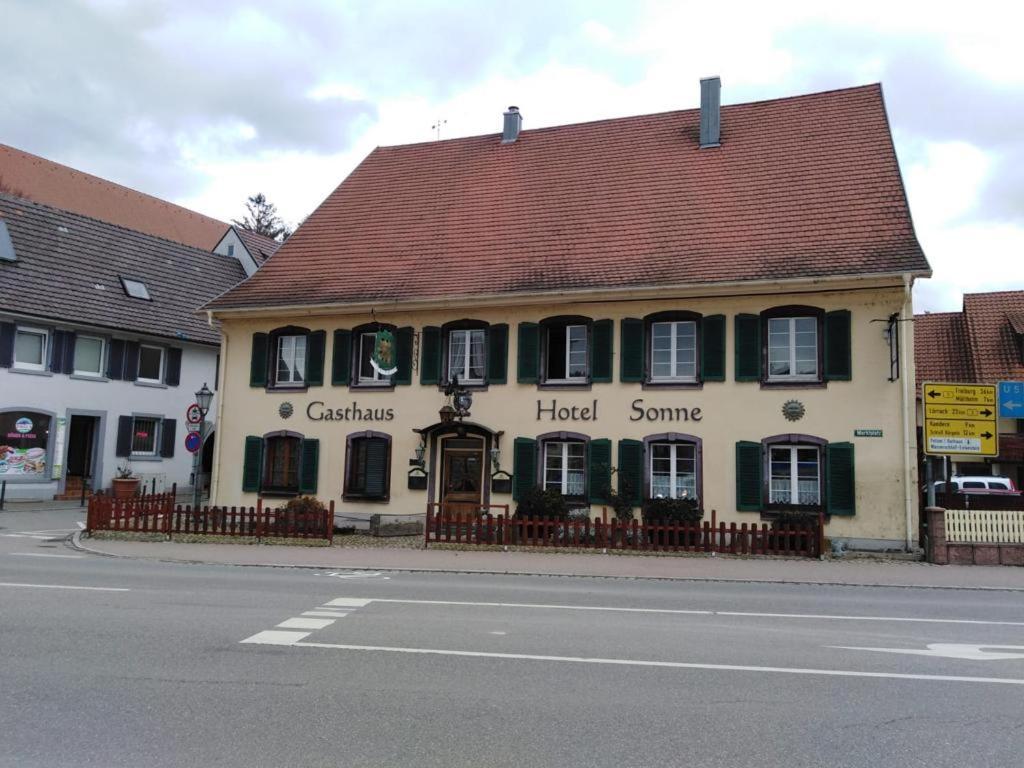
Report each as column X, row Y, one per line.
column 23, row 439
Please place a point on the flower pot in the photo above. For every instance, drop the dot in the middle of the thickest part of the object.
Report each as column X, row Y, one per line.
column 124, row 487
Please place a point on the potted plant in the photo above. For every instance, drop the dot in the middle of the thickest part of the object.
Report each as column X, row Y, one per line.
column 125, row 484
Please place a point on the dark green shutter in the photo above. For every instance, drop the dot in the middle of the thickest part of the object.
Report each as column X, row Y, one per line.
column 749, row 492
column 840, row 488
column 602, row 348
column 838, row 361
column 124, row 436
column 528, row 354
column 315, row 344
column 497, row 354
column 524, row 467
column 600, row 471
column 131, row 360
column 172, row 377
column 631, row 470
column 712, row 348
column 403, row 353
column 376, row 467
column 258, row 364
column 252, row 466
column 168, row 427
column 430, row 355
column 308, row 468
column 748, row 347
column 631, row 349
column 341, row 358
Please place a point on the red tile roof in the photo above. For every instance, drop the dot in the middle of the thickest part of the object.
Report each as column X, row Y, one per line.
column 940, row 348
column 260, row 247
column 44, row 181
column 801, row 187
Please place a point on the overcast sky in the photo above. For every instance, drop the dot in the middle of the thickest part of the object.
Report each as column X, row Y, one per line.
column 204, row 103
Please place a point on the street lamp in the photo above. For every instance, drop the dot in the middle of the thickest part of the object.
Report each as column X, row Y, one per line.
column 204, row 398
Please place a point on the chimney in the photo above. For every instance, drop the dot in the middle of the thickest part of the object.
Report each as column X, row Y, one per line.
column 513, row 124
column 710, row 114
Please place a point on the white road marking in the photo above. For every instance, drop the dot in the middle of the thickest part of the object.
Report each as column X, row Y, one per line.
column 65, row 586
column 360, row 575
column 662, row 664
column 301, row 623
column 677, row 611
column 352, row 602
column 273, row 637
column 333, row 614
column 41, row 537
column 81, row 525
column 43, row 554
column 951, row 651
column 499, row 633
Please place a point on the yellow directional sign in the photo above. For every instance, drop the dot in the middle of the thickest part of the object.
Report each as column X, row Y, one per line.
column 960, row 419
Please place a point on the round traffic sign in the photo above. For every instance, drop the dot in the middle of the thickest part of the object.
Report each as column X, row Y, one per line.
column 193, row 442
column 194, row 414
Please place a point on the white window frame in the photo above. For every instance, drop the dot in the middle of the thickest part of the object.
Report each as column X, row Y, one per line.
column 43, row 353
column 567, row 331
column 375, row 379
column 157, row 425
column 103, row 348
column 298, row 378
column 464, row 365
column 673, row 474
column 163, row 360
column 562, row 448
column 673, row 349
column 791, row 332
column 794, row 474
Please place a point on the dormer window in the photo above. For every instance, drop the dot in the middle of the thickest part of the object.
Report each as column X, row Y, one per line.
column 135, row 288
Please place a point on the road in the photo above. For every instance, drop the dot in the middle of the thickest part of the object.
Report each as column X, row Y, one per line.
column 111, row 662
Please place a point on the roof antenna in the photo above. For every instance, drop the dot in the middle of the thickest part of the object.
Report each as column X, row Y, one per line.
column 436, row 128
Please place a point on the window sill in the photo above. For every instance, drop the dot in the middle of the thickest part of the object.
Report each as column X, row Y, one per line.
column 278, row 494
column 557, row 385
column 30, row 371
column 285, row 388
column 150, row 384
column 369, row 499
column 655, row 385
column 371, row 387
column 792, row 384
column 87, row 377
column 135, row 457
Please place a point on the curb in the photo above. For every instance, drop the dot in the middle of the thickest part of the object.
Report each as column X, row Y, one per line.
column 74, row 541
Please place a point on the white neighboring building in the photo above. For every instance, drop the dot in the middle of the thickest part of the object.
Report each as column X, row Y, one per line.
column 250, row 248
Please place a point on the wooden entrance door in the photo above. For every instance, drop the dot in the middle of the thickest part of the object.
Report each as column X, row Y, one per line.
column 462, row 476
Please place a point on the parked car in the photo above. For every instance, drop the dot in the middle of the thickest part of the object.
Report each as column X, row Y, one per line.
column 980, row 485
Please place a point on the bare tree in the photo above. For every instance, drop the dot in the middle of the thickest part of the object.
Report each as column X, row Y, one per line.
column 261, row 217
column 9, row 189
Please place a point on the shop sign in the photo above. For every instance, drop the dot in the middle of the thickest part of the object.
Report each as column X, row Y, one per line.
column 552, row 411
column 317, row 411
column 383, row 357
column 960, row 419
column 23, row 442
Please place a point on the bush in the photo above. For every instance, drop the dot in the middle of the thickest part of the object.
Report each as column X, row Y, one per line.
column 672, row 511
column 304, row 505
column 538, row 502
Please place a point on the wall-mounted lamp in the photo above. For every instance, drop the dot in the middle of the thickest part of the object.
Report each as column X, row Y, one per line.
column 495, row 458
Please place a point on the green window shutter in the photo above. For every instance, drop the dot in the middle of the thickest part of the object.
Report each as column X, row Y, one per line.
column 430, row 355
column 403, row 354
column 377, row 467
column 497, row 354
column 599, row 475
column 528, row 355
column 258, row 365
column 341, row 358
column 748, row 347
column 631, row 349
column 838, row 362
column 840, row 488
column 524, row 466
column 712, row 348
column 315, row 343
column 308, row 468
column 631, row 470
column 602, row 350
column 252, row 466
column 749, row 491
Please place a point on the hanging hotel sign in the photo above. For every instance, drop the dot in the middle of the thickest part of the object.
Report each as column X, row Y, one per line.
column 960, row 419
column 383, row 357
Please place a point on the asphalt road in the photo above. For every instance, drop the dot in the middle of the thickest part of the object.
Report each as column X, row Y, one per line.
column 109, row 662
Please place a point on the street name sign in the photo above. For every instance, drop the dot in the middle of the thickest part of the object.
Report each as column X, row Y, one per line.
column 960, row 419
column 1011, row 399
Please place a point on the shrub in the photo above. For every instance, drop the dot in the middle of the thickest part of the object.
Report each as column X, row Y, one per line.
column 538, row 502
column 673, row 511
column 304, row 505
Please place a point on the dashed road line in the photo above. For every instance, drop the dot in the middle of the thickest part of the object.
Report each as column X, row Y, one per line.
column 318, row 618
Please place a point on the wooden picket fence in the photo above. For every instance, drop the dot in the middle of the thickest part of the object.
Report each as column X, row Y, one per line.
column 159, row 514
column 503, row 529
column 985, row 526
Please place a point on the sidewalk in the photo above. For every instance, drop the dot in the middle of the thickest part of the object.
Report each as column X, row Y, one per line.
column 860, row 572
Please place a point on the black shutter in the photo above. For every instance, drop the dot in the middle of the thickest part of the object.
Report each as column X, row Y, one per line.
column 6, row 345
column 258, row 364
column 403, row 354
column 376, row 467
column 131, row 360
column 309, row 468
column 172, row 377
column 748, row 347
column 341, row 358
column 115, row 359
column 631, row 470
column 631, row 349
column 430, row 355
column 749, row 493
column 528, row 353
column 599, row 476
column 56, row 362
column 315, row 343
column 252, row 466
column 712, row 348
column 216, row 372
column 124, row 436
column 69, row 352
column 497, row 354
column 167, row 430
column 838, row 362
column 602, row 337
column 840, row 488
column 524, row 466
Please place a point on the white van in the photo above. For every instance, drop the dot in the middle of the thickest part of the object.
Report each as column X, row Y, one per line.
column 978, row 484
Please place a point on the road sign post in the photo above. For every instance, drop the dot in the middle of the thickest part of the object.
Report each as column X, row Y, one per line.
column 960, row 419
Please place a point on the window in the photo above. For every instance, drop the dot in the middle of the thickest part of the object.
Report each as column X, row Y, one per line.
column 144, row 437
column 281, row 458
column 795, row 475
column 674, row 351
column 567, row 353
column 291, row 361
column 565, row 467
column 89, row 356
column 231, row 249
column 30, row 347
column 793, row 348
column 151, row 364
column 368, row 466
column 466, row 358
column 673, row 471
column 367, row 374
column 135, row 288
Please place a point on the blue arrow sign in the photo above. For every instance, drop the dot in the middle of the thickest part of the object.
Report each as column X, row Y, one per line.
column 1011, row 399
